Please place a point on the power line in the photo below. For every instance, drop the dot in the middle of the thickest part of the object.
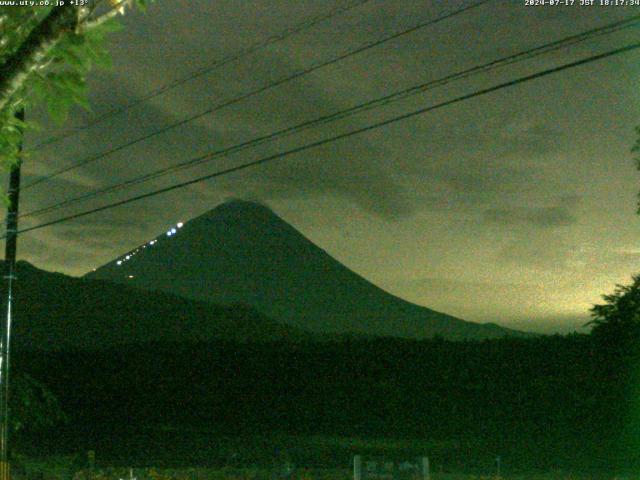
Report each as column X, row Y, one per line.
column 375, row 103
column 477, row 93
column 269, row 86
column 309, row 23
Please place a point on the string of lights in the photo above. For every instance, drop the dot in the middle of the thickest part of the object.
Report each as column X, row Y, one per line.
column 255, row 92
column 251, row 49
column 332, row 139
column 366, row 106
column 132, row 253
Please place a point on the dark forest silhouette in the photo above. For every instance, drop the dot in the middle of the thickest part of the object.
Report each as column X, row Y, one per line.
column 539, row 402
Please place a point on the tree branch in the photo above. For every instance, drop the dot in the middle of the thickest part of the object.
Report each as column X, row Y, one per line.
column 15, row 70
column 118, row 9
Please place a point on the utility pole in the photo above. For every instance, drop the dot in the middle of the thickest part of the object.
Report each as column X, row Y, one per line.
column 11, row 244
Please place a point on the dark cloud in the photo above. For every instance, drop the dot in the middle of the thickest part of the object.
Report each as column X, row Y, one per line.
column 355, row 174
column 537, row 217
column 561, row 215
column 546, row 251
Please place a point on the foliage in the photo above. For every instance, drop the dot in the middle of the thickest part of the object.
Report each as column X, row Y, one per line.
column 618, row 319
column 461, row 402
column 33, row 406
column 63, row 84
column 56, row 76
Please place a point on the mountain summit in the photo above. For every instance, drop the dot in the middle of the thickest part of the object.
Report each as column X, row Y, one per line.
column 242, row 252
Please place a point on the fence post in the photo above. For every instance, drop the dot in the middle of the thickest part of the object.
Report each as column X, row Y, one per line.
column 357, row 467
column 91, row 459
column 426, row 471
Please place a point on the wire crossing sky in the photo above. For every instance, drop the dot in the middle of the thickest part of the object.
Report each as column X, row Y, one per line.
column 260, row 90
column 414, row 90
column 306, row 24
column 618, row 51
column 516, row 207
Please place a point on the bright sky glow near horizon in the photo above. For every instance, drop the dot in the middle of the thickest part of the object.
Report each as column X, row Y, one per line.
column 517, row 207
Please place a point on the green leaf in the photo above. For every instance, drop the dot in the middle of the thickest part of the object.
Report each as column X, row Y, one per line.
column 76, row 38
column 110, row 26
column 59, row 82
column 142, row 4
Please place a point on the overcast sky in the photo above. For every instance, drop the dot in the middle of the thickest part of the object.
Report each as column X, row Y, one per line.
column 516, row 207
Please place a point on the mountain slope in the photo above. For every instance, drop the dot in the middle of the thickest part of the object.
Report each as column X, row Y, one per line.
column 243, row 252
column 58, row 312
